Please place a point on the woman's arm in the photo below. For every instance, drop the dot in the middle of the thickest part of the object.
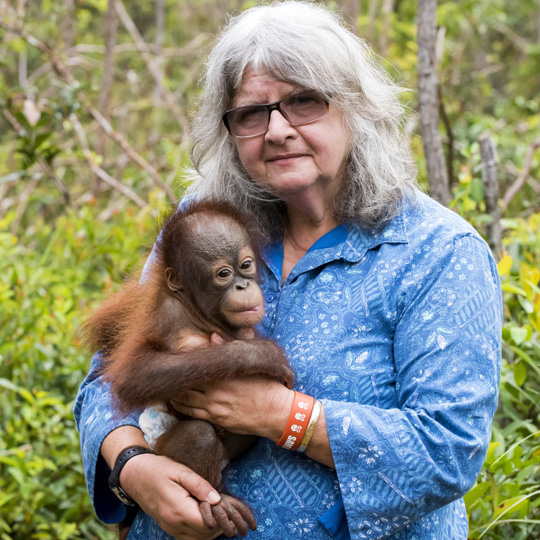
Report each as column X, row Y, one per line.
column 96, row 419
column 161, row 487
column 265, row 405
column 164, row 489
column 399, row 464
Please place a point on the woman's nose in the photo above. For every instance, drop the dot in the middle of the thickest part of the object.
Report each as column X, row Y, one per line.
column 279, row 128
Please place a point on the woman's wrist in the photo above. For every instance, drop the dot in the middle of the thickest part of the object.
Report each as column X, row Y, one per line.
column 278, row 413
column 119, row 439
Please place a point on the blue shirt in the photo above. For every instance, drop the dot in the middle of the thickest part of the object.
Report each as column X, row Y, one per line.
column 398, row 333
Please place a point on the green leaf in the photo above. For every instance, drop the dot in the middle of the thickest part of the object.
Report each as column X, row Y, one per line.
column 513, row 505
column 520, row 373
column 476, row 493
column 526, row 305
column 491, row 448
column 508, row 287
column 519, row 335
column 477, row 190
column 21, row 391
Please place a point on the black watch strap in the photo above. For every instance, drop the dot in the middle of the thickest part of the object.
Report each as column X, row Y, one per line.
column 114, row 477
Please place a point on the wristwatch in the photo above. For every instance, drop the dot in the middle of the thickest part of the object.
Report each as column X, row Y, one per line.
column 114, row 478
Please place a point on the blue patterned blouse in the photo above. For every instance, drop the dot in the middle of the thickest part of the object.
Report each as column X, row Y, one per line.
column 398, row 333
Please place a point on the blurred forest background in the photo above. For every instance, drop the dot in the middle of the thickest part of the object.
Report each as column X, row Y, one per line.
column 95, row 101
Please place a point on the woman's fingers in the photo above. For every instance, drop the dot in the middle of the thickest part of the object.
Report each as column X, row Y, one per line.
column 168, row 492
column 197, row 486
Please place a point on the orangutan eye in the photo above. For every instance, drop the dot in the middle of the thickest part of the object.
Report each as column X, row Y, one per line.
column 224, row 273
column 246, row 264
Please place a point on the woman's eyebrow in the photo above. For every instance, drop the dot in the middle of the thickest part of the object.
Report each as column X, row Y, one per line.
column 285, row 95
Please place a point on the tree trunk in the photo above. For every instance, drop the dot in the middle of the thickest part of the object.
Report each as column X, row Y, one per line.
column 429, row 106
column 488, row 153
column 387, row 9
column 68, row 25
column 538, row 29
column 351, row 11
column 111, row 30
column 68, row 29
column 450, row 138
column 373, row 8
column 158, row 41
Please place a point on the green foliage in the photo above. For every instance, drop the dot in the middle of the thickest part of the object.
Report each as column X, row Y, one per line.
column 57, row 260
column 49, row 278
column 505, row 502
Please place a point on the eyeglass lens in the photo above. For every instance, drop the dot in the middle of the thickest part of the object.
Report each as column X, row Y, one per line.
column 253, row 120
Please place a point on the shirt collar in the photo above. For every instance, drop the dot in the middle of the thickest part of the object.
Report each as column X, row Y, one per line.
column 349, row 242
column 359, row 240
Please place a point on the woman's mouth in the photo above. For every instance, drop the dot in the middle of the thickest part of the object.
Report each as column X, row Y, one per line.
column 284, row 158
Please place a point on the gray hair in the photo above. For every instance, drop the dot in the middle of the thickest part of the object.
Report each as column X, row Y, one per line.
column 306, row 45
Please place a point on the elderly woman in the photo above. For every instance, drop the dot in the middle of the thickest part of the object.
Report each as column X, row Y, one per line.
column 387, row 305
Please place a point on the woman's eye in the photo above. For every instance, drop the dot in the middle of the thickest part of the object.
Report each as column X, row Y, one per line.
column 250, row 115
column 306, row 99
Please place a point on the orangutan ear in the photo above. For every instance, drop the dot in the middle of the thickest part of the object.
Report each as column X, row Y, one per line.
column 168, row 276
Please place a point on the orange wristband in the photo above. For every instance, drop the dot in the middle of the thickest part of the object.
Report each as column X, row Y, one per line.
column 298, row 421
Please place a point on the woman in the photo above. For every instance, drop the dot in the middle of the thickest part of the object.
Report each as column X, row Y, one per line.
column 387, row 305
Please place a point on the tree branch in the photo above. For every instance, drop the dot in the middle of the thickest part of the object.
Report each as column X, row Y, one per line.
column 97, row 170
column 83, row 48
column 153, row 68
column 520, row 42
column 450, row 135
column 64, row 75
column 522, row 178
column 488, row 153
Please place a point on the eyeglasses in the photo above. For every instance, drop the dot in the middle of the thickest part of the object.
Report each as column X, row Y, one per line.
column 253, row 120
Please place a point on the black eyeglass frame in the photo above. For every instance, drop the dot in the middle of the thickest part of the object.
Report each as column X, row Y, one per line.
column 271, row 107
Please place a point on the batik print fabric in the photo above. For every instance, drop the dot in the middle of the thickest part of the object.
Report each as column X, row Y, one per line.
column 398, row 333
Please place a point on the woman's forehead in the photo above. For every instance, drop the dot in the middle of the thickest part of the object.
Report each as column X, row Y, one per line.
column 255, row 85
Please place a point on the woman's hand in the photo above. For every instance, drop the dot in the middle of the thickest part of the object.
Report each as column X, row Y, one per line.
column 253, row 405
column 163, row 490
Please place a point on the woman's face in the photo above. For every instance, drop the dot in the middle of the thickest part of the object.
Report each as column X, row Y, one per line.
column 292, row 161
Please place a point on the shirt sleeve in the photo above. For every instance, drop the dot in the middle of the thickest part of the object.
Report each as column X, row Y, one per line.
column 96, row 418
column 397, row 465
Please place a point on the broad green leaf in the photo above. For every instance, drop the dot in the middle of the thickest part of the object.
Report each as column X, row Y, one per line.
column 476, row 493
column 491, row 448
column 508, row 287
column 477, row 190
column 519, row 335
column 511, row 505
column 520, row 373
column 21, row 391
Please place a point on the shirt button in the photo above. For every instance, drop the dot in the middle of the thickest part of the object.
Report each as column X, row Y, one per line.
column 269, row 298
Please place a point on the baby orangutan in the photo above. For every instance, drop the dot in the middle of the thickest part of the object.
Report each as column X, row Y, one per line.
column 202, row 280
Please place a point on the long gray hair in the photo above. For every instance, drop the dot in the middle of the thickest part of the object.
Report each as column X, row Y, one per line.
column 306, row 45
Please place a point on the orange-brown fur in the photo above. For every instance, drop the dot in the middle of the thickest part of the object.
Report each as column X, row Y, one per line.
column 139, row 329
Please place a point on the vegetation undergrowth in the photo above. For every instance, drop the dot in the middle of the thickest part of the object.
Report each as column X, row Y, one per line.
column 67, row 237
column 50, row 276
